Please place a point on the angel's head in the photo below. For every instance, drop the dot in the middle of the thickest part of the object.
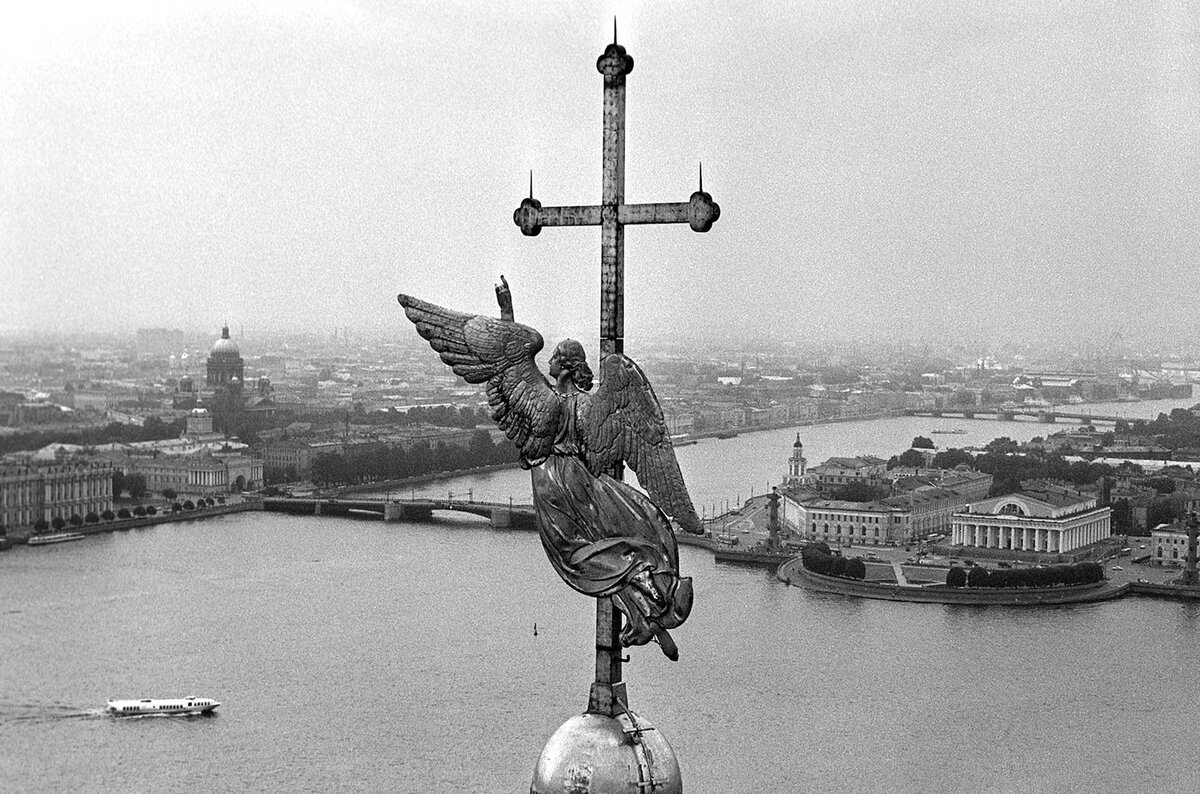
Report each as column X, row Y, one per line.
column 570, row 358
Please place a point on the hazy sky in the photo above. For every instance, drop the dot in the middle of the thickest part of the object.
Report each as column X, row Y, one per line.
column 884, row 167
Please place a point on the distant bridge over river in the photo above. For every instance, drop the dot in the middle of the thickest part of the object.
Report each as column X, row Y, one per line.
column 503, row 515
column 1047, row 415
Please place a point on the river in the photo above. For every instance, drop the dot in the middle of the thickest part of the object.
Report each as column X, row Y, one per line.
column 720, row 472
column 352, row 655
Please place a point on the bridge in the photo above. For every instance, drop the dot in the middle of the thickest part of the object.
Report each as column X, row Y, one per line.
column 503, row 515
column 1047, row 415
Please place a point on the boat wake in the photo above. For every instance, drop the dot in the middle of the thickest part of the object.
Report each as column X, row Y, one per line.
column 45, row 712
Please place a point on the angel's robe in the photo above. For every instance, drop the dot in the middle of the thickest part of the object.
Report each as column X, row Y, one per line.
column 600, row 533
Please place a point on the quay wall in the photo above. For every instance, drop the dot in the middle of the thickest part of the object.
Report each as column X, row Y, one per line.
column 794, row 572
column 146, row 521
column 1165, row 591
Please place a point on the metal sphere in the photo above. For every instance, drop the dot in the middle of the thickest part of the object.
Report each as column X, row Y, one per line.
column 596, row 754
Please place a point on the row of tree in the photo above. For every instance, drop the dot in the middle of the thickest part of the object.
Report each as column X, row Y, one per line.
column 1050, row 576
column 154, row 429
column 817, row 558
column 76, row 520
column 374, row 462
column 141, row 511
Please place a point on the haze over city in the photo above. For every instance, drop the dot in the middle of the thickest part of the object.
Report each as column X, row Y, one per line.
column 883, row 168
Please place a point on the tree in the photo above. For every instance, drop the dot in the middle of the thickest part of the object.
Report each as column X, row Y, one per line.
column 169, row 494
column 58, row 522
column 124, row 513
column 911, row 458
column 856, row 569
column 1122, row 517
column 118, row 483
column 41, row 525
column 139, row 511
column 978, row 577
column 1002, row 446
column 189, row 505
column 1163, row 510
column 135, row 484
column 151, row 510
column 950, row 458
column 921, row 442
column 956, row 577
column 1163, row 485
column 92, row 518
column 76, row 520
column 108, row 515
column 176, row 507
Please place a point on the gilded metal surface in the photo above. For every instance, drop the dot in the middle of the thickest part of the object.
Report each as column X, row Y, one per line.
column 597, row 754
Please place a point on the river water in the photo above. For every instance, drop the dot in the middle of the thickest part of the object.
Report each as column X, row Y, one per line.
column 359, row 656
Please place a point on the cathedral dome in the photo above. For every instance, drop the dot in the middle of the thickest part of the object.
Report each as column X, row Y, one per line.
column 225, row 346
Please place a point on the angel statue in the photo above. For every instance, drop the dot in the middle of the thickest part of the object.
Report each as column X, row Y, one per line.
column 604, row 537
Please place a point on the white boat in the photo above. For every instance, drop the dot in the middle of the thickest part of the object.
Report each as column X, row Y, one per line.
column 188, row 705
column 57, row 537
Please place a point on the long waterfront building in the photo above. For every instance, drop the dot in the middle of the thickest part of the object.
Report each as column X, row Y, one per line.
column 29, row 493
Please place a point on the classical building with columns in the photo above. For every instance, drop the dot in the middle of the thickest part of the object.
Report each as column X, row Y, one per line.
column 29, row 493
column 202, row 474
column 1051, row 521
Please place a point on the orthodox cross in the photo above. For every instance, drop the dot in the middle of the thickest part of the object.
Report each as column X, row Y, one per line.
column 612, row 215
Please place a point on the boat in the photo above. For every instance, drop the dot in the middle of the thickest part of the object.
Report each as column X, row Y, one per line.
column 56, row 537
column 188, row 705
column 948, row 431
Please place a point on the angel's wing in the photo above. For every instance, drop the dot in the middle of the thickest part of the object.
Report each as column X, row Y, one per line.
column 499, row 352
column 623, row 422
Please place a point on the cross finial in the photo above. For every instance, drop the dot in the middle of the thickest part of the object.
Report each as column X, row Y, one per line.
column 614, row 30
column 530, row 183
column 701, row 176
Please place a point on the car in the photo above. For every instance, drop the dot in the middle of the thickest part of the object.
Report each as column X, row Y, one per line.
column 969, row 563
column 1004, row 564
column 1117, row 568
column 1143, row 581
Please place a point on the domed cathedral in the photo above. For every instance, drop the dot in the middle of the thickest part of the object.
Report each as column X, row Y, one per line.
column 797, row 464
column 225, row 366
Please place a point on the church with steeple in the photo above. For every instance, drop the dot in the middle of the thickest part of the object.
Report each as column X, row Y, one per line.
column 797, row 465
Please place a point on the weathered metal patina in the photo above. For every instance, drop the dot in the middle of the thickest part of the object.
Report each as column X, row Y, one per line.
column 605, row 538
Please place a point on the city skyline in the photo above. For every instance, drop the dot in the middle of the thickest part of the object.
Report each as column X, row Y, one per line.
column 905, row 169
